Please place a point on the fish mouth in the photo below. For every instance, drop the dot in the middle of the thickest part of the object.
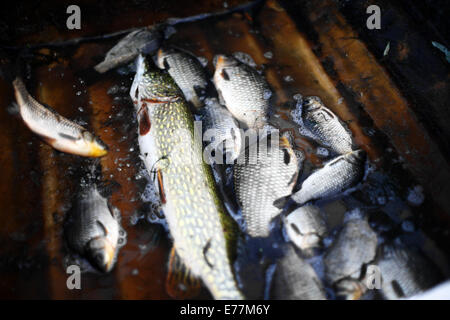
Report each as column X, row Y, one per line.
column 312, row 103
column 97, row 149
column 103, row 256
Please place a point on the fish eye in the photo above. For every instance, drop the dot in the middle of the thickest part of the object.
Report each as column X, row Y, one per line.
column 87, row 136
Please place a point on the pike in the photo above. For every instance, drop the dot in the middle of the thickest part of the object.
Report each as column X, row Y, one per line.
column 202, row 231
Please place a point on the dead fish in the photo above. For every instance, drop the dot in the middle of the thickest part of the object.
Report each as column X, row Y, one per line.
column 325, row 126
column 203, row 232
column 59, row 132
column 261, row 176
column 335, row 177
column 145, row 40
column 306, row 227
column 405, row 271
column 354, row 247
column 94, row 229
column 219, row 125
column 295, row 279
column 187, row 71
column 243, row 90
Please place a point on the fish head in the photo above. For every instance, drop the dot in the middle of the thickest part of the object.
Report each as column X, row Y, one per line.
column 102, row 253
column 162, row 54
column 312, row 103
column 157, row 84
column 224, row 65
column 94, row 146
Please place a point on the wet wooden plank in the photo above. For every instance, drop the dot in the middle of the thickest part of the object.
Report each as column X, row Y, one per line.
column 23, row 257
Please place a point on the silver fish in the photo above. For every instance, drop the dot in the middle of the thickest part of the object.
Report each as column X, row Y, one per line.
column 145, row 40
column 325, row 126
column 59, row 132
column 219, row 125
column 187, row 71
column 306, row 227
column 295, row 279
column 335, row 177
column 354, row 247
column 244, row 91
column 94, row 229
column 405, row 271
column 260, row 178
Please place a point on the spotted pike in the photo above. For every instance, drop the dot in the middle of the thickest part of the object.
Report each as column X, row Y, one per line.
column 94, row 230
column 187, row 71
column 335, row 177
column 201, row 230
column 59, row 132
column 325, row 126
column 261, row 176
column 244, row 91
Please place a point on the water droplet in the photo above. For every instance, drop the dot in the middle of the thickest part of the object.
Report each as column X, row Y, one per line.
column 268, row 55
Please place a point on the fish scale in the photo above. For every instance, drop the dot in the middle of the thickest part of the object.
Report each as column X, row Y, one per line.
column 336, row 176
column 261, row 178
column 244, row 91
column 405, row 271
column 355, row 246
column 194, row 213
column 325, row 125
column 186, row 70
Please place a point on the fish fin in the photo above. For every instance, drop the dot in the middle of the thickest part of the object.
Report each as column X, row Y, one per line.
column 48, row 140
column 221, row 99
column 205, row 253
column 180, row 282
column 166, row 64
column 225, row 75
column 144, row 122
column 67, row 136
column 281, row 202
column 115, row 213
column 102, row 226
column 162, row 194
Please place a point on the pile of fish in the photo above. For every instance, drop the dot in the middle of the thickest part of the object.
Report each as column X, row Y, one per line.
column 268, row 192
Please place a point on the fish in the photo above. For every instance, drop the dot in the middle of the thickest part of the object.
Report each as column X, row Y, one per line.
column 305, row 227
column 354, row 247
column 405, row 271
column 94, row 230
column 187, row 71
column 295, row 279
column 203, row 233
column 243, row 90
column 333, row 178
column 144, row 40
column 261, row 176
column 56, row 130
column 325, row 126
column 219, row 126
